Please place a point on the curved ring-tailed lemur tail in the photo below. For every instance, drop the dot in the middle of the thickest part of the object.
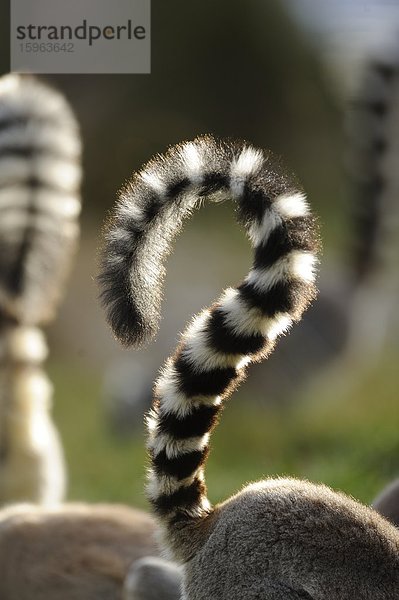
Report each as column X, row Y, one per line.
column 277, row 538
column 342, row 326
column 39, row 205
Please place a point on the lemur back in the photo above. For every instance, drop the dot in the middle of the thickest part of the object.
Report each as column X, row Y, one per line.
column 39, row 204
column 278, row 538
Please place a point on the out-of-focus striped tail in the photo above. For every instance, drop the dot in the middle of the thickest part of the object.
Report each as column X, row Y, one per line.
column 39, row 207
column 372, row 124
column 39, row 197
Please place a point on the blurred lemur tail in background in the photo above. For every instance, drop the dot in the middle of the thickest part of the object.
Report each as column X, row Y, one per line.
column 277, row 538
column 39, row 207
column 374, row 133
column 373, row 136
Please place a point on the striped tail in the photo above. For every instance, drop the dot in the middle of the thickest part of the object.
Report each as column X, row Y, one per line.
column 372, row 123
column 39, row 207
column 239, row 328
column 39, row 198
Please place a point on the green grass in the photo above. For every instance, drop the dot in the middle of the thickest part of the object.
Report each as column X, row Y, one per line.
column 349, row 440
column 101, row 466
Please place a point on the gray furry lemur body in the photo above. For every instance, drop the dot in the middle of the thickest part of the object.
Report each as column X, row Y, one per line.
column 279, row 538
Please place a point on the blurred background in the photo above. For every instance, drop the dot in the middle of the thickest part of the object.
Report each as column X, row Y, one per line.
column 283, row 75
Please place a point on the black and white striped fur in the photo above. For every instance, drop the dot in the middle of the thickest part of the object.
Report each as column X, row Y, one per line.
column 354, row 318
column 39, row 197
column 242, row 326
column 276, row 539
column 40, row 176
